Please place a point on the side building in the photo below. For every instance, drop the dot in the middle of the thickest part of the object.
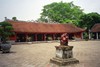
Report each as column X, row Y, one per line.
column 95, row 31
column 32, row 31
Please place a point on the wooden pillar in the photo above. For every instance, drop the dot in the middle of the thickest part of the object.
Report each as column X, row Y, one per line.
column 44, row 37
column 26, row 36
column 97, row 35
column 82, row 35
column 53, row 36
column 89, row 35
column 15, row 37
column 35, row 37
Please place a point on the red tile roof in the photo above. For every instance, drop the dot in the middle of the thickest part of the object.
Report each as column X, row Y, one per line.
column 96, row 28
column 31, row 27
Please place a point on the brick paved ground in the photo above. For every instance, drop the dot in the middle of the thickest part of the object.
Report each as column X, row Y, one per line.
column 38, row 55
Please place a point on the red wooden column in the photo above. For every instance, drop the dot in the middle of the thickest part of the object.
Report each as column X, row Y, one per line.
column 15, row 36
column 35, row 37
column 26, row 36
column 44, row 37
column 81, row 35
column 53, row 36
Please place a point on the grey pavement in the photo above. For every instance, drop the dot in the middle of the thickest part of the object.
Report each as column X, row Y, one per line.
column 39, row 55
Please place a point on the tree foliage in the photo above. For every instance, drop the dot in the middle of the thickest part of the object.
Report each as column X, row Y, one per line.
column 14, row 18
column 61, row 12
column 5, row 30
column 88, row 20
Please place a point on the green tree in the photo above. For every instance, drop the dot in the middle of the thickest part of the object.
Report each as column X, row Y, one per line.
column 61, row 12
column 5, row 30
column 88, row 20
column 14, row 18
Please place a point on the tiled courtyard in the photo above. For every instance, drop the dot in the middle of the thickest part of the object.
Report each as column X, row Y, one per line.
column 38, row 55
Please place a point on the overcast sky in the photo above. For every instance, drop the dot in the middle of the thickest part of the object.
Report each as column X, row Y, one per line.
column 31, row 9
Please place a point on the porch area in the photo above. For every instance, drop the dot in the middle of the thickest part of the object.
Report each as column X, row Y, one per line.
column 29, row 37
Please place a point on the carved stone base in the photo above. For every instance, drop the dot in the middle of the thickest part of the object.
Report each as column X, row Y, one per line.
column 64, row 56
column 63, row 62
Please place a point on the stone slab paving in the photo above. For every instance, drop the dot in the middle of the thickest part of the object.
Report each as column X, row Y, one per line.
column 39, row 55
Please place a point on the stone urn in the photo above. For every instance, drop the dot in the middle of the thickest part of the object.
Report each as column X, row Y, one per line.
column 5, row 47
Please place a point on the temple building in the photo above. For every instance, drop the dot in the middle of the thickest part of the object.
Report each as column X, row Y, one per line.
column 32, row 31
column 95, row 31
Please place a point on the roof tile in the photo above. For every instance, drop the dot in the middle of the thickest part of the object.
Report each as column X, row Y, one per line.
column 31, row 27
column 96, row 28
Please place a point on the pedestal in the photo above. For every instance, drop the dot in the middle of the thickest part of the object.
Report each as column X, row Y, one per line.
column 64, row 56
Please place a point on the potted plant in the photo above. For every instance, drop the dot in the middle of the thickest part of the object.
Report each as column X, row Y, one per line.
column 5, row 32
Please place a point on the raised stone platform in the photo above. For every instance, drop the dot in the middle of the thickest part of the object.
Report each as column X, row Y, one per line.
column 63, row 62
column 64, row 56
